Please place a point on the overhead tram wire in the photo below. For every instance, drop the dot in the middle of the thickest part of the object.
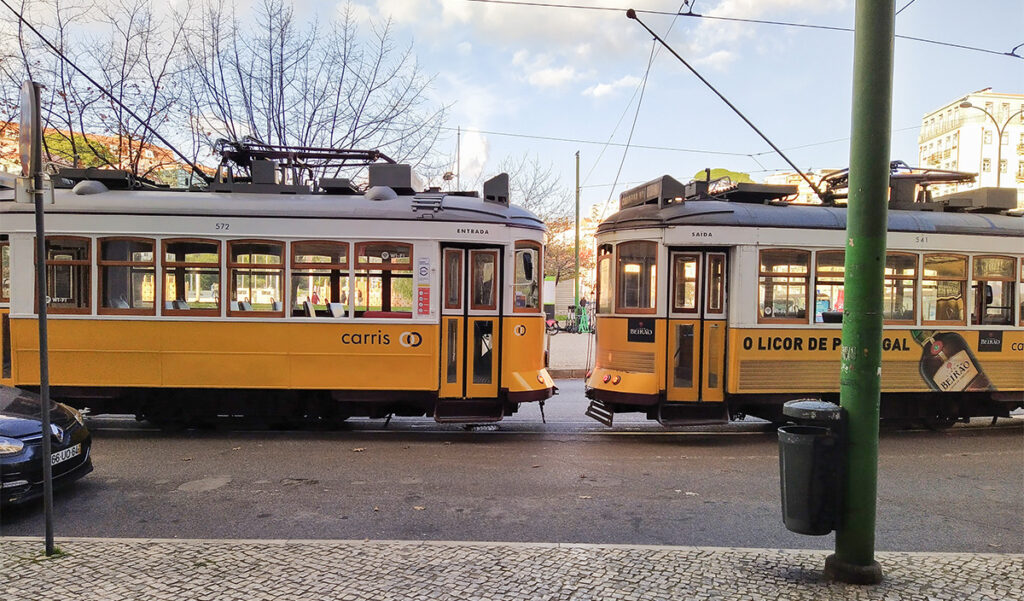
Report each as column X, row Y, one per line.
column 632, row 15
column 1011, row 53
column 195, row 170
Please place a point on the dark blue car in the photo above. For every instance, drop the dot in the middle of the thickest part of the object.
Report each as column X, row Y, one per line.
column 21, row 445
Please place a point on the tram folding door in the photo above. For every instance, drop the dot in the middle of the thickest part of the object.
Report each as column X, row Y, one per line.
column 696, row 326
column 470, row 322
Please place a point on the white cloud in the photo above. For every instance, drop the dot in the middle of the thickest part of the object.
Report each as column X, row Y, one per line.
column 474, row 150
column 604, row 89
column 464, row 48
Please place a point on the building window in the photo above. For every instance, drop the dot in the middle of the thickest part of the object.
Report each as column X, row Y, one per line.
column 637, row 277
column 993, row 290
column 5, row 268
column 191, row 277
column 605, row 286
column 988, row 136
column 528, row 272
column 127, row 272
column 68, row 263
column 782, row 287
column 256, row 269
column 319, row 278
column 943, row 281
column 828, row 286
column 899, row 292
column 383, row 279
column 986, row 165
column 1002, row 165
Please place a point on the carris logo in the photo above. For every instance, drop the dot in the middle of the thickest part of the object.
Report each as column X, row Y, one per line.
column 520, row 330
column 410, row 339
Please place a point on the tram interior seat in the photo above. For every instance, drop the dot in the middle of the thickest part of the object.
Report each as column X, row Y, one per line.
column 120, row 303
column 176, row 304
column 233, row 306
column 308, row 308
column 336, row 309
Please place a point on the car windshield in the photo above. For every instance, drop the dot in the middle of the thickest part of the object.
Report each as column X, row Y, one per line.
column 16, row 400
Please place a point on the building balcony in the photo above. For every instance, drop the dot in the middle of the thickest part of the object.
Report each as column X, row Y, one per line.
column 934, row 131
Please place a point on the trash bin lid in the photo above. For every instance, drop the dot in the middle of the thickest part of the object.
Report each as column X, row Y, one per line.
column 812, row 410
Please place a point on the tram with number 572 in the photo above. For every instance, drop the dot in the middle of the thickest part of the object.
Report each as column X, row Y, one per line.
column 715, row 302
column 270, row 295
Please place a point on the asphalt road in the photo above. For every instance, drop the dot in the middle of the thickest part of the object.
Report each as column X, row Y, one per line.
column 569, row 480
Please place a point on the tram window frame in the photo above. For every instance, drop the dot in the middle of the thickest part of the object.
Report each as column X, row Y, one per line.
column 168, row 267
column 763, row 275
column 453, row 279
column 336, row 270
column 687, row 257
column 829, row 278
column 532, row 284
column 889, row 283
column 133, row 266
column 247, row 307
column 714, row 300
column 5, row 269
column 1007, row 281
column 80, row 278
column 476, row 286
column 962, row 281
column 651, row 278
column 1020, row 284
column 388, row 271
column 605, row 279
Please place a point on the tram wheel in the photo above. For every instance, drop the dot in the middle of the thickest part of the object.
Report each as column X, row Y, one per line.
column 938, row 422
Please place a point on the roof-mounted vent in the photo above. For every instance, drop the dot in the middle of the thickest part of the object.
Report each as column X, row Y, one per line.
column 496, row 189
column 660, row 191
column 337, row 185
column 400, row 178
column 980, row 200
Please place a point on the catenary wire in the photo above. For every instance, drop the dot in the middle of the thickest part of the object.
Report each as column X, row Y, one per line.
column 742, row 20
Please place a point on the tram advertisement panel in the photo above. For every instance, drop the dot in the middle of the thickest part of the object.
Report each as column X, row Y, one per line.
column 912, row 360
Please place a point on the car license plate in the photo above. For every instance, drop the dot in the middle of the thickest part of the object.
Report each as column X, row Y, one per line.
column 65, row 454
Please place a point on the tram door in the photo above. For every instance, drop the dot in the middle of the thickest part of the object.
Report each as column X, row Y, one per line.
column 470, row 322
column 5, row 348
column 696, row 326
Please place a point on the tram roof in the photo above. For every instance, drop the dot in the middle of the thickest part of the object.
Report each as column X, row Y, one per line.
column 785, row 215
column 419, row 207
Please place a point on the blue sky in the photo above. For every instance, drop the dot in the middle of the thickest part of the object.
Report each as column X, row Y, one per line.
column 575, row 74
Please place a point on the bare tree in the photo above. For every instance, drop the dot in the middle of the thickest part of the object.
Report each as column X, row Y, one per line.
column 294, row 84
column 536, row 188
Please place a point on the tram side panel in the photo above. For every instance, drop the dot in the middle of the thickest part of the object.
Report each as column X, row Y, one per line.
column 629, row 362
column 524, row 374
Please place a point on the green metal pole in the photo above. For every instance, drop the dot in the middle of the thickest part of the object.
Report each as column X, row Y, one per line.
column 860, row 377
column 576, row 285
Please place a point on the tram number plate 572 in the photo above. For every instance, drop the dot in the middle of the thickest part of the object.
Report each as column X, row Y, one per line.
column 222, row 226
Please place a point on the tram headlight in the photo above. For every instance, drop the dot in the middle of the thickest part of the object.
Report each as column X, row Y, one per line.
column 616, row 379
column 10, row 446
column 607, row 378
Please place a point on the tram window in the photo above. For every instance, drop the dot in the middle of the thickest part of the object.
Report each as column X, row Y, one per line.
column 383, row 279
column 67, row 274
column 899, row 294
column 528, row 272
column 605, row 288
column 993, row 290
column 828, row 285
column 127, row 271
column 191, row 277
column 256, row 269
column 637, row 276
column 782, row 288
column 943, row 281
column 716, row 284
column 5, row 270
column 452, row 278
column 684, row 270
column 320, row 276
column 482, row 289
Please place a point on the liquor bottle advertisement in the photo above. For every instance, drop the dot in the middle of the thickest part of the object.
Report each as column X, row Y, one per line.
column 947, row 363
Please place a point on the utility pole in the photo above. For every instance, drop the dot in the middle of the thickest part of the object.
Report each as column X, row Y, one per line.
column 860, row 375
column 576, row 283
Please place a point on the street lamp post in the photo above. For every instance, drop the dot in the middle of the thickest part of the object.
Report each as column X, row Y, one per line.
column 966, row 104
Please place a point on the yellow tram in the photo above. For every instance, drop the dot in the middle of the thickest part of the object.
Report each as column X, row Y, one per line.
column 713, row 304
column 268, row 296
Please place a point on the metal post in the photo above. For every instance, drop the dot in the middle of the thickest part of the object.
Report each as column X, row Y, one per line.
column 866, row 224
column 576, row 282
column 32, row 119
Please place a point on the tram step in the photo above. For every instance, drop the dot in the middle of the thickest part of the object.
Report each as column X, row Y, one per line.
column 600, row 412
column 692, row 414
column 468, row 411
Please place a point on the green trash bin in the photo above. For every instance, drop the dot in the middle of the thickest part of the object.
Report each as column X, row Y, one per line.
column 810, row 463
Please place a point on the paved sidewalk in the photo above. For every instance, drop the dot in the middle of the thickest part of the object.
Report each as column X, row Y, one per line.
column 568, row 354
column 254, row 570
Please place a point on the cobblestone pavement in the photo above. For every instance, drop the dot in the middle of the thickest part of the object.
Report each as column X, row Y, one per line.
column 200, row 570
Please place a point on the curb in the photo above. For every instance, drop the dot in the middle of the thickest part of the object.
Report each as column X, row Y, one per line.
column 567, row 374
